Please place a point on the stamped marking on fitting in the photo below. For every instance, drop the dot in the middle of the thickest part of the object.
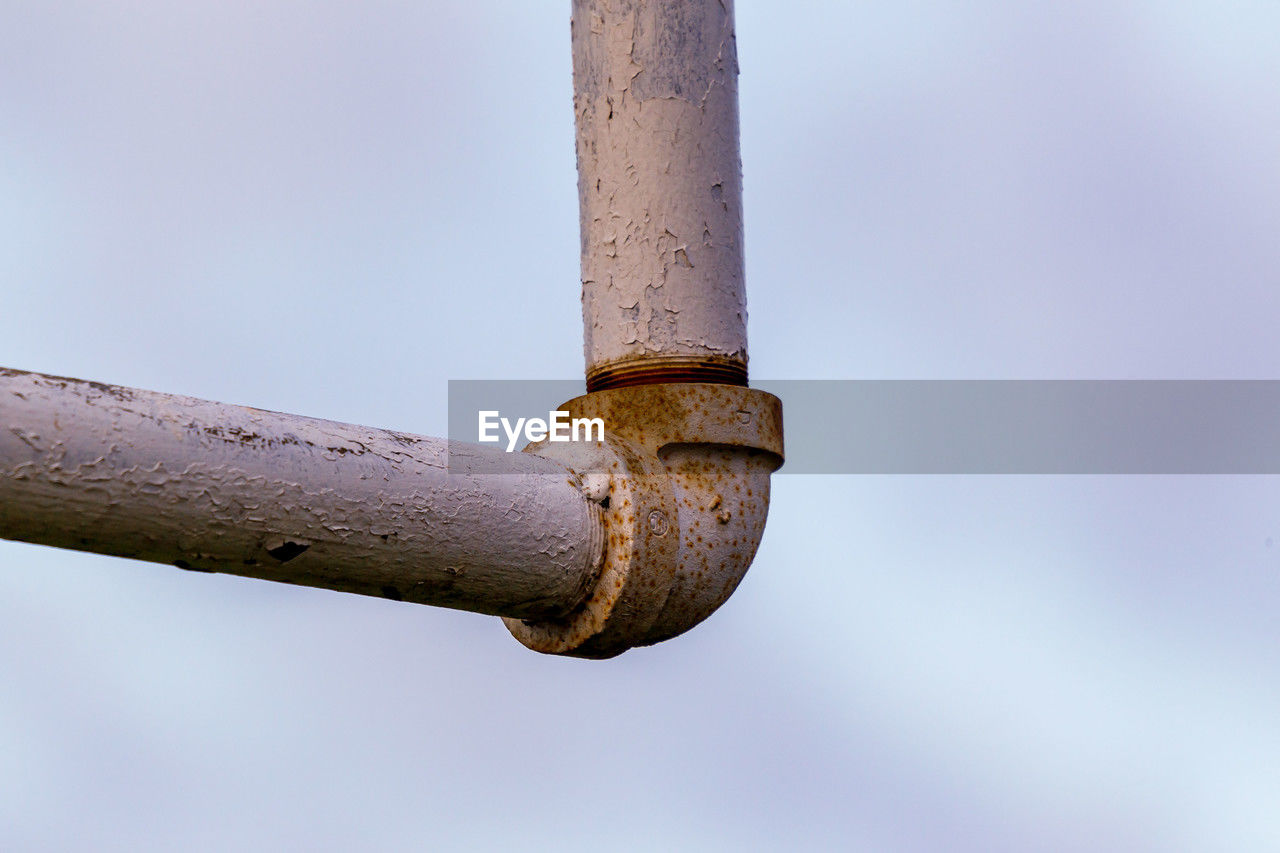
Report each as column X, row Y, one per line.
column 658, row 523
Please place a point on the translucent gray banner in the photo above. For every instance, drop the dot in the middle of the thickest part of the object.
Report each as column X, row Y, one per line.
column 977, row 426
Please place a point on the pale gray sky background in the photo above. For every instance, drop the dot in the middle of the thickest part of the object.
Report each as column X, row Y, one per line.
column 333, row 208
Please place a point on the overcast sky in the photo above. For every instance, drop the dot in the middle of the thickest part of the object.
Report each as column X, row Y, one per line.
column 333, row 208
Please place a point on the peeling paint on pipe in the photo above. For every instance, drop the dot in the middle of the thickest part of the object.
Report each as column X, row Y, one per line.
column 660, row 192
column 222, row 488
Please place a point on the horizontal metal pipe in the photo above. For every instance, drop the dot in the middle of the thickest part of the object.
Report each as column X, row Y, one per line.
column 223, row 488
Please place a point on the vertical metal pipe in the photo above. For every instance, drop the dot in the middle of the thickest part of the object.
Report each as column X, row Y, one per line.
column 660, row 191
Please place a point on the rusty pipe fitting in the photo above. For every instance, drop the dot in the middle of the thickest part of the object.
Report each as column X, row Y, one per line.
column 683, row 478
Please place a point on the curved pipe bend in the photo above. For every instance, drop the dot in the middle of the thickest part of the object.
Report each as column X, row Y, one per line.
column 683, row 477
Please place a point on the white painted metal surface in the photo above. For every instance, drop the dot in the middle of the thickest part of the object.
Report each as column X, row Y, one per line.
column 659, row 184
column 216, row 487
column 678, row 488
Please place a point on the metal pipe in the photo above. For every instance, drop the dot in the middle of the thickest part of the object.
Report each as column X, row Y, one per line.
column 684, row 471
column 660, row 192
column 680, row 483
column 223, row 488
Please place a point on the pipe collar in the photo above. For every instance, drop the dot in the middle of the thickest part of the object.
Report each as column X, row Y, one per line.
column 682, row 476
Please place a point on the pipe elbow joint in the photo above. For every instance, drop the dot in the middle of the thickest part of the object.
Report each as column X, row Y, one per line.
column 681, row 476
